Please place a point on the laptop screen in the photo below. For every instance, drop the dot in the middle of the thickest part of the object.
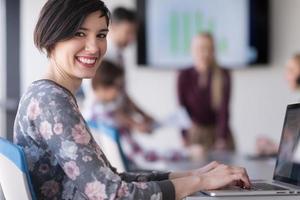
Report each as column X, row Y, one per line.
column 288, row 160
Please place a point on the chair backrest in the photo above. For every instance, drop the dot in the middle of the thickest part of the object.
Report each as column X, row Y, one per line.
column 14, row 175
column 108, row 138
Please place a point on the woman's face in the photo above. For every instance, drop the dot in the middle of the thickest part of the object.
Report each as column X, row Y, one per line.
column 202, row 51
column 292, row 73
column 124, row 33
column 110, row 93
column 80, row 56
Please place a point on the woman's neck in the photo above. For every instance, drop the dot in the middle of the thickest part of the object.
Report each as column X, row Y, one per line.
column 55, row 74
column 203, row 73
column 201, row 68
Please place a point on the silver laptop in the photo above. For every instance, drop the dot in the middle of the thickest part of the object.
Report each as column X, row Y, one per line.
column 286, row 178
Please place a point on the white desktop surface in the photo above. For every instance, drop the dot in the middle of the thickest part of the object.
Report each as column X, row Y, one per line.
column 199, row 197
column 261, row 169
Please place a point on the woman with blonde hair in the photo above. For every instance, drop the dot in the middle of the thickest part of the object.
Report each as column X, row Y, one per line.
column 204, row 91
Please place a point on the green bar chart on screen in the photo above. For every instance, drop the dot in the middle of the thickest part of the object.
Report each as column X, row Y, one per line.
column 183, row 26
column 171, row 25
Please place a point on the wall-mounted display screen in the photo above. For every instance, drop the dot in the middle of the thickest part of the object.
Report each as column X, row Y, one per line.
column 240, row 29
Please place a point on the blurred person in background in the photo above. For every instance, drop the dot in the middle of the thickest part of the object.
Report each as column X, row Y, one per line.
column 204, row 91
column 264, row 145
column 123, row 30
column 110, row 109
column 109, row 102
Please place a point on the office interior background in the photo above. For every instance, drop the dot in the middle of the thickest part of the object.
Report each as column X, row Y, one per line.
column 259, row 94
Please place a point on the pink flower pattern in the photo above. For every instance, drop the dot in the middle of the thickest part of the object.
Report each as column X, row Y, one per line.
column 64, row 160
column 58, row 128
column 141, row 185
column 45, row 130
column 50, row 188
column 95, row 191
column 71, row 170
column 33, row 109
column 123, row 190
column 80, row 134
column 44, row 168
column 87, row 158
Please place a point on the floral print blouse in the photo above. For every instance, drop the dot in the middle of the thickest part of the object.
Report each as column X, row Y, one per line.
column 64, row 160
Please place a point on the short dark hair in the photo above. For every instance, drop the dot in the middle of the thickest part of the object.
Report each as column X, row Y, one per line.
column 60, row 19
column 121, row 14
column 107, row 75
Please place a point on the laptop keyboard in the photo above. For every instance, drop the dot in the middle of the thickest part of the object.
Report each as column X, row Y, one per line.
column 265, row 187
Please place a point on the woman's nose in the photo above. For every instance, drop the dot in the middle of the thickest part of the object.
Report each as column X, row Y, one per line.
column 91, row 46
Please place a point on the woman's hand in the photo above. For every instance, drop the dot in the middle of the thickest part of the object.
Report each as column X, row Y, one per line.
column 195, row 173
column 221, row 175
column 210, row 177
column 266, row 146
column 205, row 169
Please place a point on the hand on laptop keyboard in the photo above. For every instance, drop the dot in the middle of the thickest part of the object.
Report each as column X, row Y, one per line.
column 223, row 175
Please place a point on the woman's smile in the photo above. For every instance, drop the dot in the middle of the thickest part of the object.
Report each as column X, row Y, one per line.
column 87, row 61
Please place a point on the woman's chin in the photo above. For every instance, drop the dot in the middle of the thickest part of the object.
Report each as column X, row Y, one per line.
column 88, row 75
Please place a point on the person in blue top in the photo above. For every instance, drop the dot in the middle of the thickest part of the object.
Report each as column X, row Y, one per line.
column 64, row 160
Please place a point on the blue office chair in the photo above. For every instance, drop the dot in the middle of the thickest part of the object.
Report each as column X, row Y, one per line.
column 14, row 175
column 108, row 138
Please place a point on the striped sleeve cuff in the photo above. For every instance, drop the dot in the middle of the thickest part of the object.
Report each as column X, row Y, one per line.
column 167, row 189
column 161, row 176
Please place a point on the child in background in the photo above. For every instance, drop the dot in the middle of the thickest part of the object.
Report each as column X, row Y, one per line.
column 110, row 104
column 111, row 109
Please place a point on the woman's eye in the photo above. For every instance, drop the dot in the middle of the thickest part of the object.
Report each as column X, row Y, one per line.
column 101, row 35
column 79, row 34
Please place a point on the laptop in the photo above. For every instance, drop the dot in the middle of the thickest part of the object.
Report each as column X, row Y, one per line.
column 286, row 176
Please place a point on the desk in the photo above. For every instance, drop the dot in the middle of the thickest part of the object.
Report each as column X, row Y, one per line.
column 257, row 169
column 199, row 197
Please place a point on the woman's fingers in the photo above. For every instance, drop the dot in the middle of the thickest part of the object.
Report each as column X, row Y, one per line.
column 211, row 165
column 220, row 175
column 241, row 177
column 207, row 168
column 243, row 172
column 233, row 175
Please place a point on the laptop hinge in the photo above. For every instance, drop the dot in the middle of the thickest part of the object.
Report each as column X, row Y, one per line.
column 286, row 184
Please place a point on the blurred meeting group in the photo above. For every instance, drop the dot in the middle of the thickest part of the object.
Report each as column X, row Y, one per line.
column 201, row 121
column 177, row 83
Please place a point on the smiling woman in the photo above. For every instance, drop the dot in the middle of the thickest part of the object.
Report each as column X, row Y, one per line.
column 64, row 160
column 80, row 56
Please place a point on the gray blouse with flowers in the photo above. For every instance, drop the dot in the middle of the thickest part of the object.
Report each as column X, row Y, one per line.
column 64, row 160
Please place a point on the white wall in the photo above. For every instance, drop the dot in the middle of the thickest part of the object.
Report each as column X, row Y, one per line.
column 33, row 63
column 259, row 95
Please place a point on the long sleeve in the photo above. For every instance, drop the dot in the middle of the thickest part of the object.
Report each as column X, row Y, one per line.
column 75, row 159
column 198, row 104
column 180, row 88
column 223, row 113
column 181, row 98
